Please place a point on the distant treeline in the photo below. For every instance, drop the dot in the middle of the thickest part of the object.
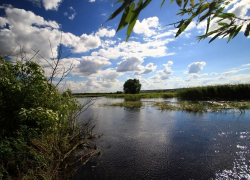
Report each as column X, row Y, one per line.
column 228, row 92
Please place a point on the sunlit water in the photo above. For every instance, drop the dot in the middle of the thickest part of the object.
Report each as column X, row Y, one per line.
column 148, row 143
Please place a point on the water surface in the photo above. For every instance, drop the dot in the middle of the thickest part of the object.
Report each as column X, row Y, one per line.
column 147, row 143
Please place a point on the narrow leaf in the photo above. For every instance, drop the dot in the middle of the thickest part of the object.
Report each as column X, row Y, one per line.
column 185, row 3
column 163, row 1
column 119, row 1
column 123, row 22
column 232, row 31
column 208, row 23
column 179, row 2
column 171, row 2
column 215, row 37
column 246, row 33
column 192, row 3
column 122, row 7
column 237, row 31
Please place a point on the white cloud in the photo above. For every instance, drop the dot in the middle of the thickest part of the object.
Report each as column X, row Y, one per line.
column 145, row 27
column 105, row 32
column 86, row 42
column 163, row 74
column 226, row 74
column 192, row 76
column 91, row 0
column 196, row 67
column 214, row 73
column 156, row 48
column 246, row 64
column 88, row 65
column 130, row 65
column 32, row 32
column 51, row 4
column 3, row 22
column 168, row 33
column 72, row 16
column 149, row 68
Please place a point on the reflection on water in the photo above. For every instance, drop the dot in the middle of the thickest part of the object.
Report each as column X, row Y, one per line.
column 149, row 144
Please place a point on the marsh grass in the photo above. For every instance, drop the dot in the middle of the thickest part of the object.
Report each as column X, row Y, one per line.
column 127, row 104
column 203, row 106
column 143, row 95
column 219, row 92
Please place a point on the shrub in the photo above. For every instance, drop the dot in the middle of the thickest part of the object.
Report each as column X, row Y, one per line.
column 39, row 130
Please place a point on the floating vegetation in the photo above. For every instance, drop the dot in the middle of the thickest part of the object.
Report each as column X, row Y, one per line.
column 127, row 104
column 203, row 106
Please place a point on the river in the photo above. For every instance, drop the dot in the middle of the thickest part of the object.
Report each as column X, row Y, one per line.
column 147, row 143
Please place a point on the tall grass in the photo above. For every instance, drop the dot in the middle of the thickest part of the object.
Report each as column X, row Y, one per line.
column 229, row 92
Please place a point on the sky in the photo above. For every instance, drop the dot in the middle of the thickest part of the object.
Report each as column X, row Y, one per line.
column 101, row 59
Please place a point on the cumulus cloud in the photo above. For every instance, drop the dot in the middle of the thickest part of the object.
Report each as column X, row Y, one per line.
column 192, row 76
column 48, row 4
column 149, row 68
column 156, row 48
column 163, row 74
column 89, row 65
column 105, row 32
column 196, row 67
column 91, row 0
column 147, row 26
column 130, row 64
column 32, row 32
column 3, row 22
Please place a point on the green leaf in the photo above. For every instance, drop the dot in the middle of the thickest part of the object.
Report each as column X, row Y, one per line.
column 192, row 3
column 208, row 23
column 119, row 1
column 231, row 31
column 215, row 37
column 202, row 8
column 223, row 24
column 123, row 21
column 122, row 7
column 246, row 33
column 163, row 1
column 171, row 2
column 184, row 26
column 226, row 15
column 185, row 3
column 179, row 2
column 237, row 31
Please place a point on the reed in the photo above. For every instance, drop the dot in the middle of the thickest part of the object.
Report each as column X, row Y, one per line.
column 226, row 92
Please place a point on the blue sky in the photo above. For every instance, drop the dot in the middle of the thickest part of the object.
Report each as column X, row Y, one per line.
column 102, row 59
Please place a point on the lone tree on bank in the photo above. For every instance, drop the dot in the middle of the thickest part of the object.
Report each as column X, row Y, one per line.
column 132, row 86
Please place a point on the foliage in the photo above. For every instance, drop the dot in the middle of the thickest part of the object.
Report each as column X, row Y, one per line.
column 127, row 104
column 39, row 129
column 132, row 86
column 228, row 24
column 228, row 92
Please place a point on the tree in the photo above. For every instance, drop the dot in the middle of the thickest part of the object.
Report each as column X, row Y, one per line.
column 132, row 86
column 227, row 23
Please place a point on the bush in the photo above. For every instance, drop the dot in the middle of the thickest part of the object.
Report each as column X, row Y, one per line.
column 39, row 130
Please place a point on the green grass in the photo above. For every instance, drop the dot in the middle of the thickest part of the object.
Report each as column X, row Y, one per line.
column 219, row 92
